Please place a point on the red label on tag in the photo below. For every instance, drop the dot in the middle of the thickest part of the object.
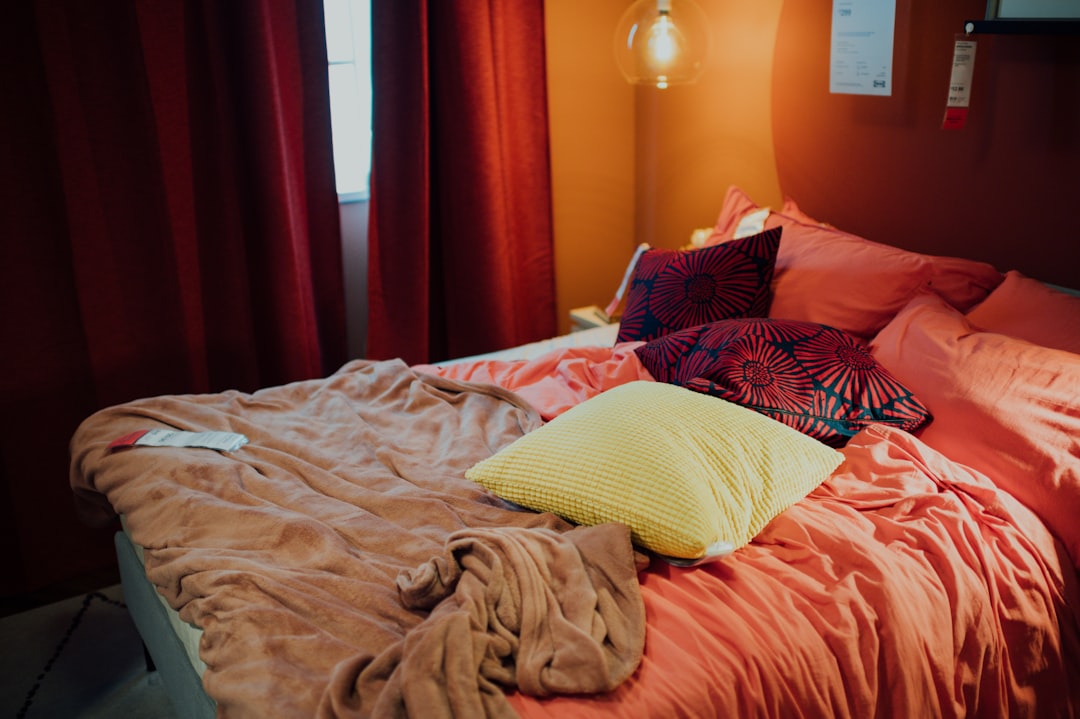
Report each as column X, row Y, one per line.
column 955, row 117
column 128, row 440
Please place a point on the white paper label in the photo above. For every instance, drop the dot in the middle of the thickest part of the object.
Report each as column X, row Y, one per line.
column 963, row 65
column 221, row 441
column 752, row 224
column 956, row 107
column 614, row 304
column 861, row 56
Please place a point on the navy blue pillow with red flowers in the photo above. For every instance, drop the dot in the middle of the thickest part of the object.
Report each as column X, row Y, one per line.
column 814, row 378
column 674, row 289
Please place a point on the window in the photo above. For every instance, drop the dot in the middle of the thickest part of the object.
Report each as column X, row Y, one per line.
column 348, row 49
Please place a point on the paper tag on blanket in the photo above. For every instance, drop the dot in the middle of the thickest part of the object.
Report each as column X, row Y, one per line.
column 221, row 441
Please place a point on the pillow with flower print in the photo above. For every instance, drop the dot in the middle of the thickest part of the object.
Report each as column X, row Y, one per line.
column 812, row 377
column 674, row 289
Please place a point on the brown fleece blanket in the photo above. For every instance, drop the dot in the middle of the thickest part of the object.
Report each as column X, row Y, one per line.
column 341, row 565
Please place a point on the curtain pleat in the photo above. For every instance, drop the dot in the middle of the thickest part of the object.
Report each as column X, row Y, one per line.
column 173, row 227
column 460, row 231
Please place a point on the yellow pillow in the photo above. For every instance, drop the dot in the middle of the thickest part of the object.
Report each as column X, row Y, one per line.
column 689, row 474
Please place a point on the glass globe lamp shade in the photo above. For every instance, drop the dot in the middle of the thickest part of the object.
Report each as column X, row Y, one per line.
column 662, row 42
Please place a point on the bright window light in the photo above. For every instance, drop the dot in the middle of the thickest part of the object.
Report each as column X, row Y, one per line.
column 348, row 49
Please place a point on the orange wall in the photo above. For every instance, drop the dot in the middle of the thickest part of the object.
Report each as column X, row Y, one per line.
column 633, row 165
column 591, row 117
column 694, row 141
column 1001, row 190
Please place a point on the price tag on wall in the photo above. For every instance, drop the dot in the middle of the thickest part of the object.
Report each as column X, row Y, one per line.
column 963, row 66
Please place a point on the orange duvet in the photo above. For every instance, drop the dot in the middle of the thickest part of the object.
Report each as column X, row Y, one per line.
column 906, row 585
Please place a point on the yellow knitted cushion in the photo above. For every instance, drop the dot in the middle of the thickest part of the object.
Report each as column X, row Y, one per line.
column 688, row 473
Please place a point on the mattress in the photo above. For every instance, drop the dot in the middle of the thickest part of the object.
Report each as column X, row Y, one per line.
column 603, row 336
column 187, row 634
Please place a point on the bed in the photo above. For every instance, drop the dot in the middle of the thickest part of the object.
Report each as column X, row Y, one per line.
column 806, row 474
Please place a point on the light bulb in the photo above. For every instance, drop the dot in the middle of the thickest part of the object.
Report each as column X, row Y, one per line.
column 662, row 42
column 662, row 48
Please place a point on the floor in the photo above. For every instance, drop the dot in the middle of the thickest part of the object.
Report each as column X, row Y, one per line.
column 78, row 585
column 78, row 658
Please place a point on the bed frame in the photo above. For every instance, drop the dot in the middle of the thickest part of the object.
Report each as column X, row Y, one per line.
column 165, row 650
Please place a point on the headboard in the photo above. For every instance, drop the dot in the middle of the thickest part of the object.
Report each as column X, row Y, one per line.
column 1003, row 189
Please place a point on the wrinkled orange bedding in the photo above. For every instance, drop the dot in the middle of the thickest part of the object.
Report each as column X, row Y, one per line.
column 905, row 586
column 554, row 382
column 340, row 564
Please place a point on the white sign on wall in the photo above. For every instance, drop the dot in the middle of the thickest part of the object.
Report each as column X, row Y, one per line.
column 861, row 55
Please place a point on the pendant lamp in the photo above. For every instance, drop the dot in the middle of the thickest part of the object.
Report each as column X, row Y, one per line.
column 662, row 42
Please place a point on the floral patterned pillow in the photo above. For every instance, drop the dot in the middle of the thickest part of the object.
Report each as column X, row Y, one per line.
column 675, row 289
column 809, row 376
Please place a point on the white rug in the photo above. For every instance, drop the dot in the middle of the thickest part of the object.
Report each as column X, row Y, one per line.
column 80, row 658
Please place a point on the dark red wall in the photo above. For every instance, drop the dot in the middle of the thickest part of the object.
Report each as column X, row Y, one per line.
column 1004, row 189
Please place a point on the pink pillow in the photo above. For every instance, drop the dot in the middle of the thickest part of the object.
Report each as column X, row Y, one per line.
column 1002, row 406
column 1028, row 309
column 845, row 281
column 737, row 204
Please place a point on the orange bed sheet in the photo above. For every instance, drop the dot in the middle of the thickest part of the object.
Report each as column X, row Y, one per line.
column 906, row 585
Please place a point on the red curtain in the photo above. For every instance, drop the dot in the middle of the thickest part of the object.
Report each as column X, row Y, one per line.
column 170, row 225
column 460, row 239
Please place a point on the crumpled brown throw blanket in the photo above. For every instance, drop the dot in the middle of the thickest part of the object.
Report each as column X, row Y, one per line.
column 341, row 565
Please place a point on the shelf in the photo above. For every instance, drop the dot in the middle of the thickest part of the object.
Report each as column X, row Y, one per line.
column 1022, row 27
